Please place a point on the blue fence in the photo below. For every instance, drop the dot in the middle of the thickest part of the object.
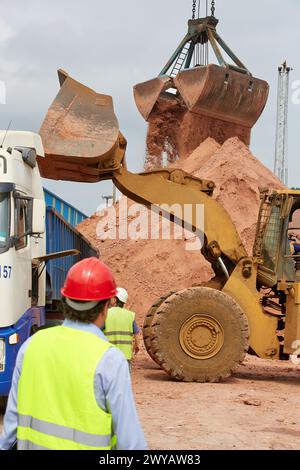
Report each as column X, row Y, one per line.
column 66, row 210
column 61, row 220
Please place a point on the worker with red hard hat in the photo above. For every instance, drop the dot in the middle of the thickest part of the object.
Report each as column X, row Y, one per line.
column 71, row 388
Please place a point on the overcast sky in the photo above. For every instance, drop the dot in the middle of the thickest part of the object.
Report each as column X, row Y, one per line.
column 112, row 45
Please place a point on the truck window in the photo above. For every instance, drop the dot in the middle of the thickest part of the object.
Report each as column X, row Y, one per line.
column 21, row 220
column 4, row 220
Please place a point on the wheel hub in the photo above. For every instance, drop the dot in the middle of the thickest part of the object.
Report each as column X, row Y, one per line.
column 201, row 336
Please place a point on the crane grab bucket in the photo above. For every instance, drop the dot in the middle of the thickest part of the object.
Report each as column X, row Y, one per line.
column 211, row 91
column 226, row 92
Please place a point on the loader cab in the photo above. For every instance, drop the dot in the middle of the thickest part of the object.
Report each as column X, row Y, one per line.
column 273, row 247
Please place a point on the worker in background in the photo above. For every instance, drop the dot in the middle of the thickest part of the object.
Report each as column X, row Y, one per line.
column 121, row 328
column 294, row 244
column 71, row 388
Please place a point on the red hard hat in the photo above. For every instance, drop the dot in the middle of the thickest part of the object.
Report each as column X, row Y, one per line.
column 89, row 280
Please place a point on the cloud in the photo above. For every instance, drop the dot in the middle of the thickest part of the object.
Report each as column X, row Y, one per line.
column 6, row 32
column 110, row 46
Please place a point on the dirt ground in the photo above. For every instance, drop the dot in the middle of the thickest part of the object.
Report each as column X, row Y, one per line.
column 258, row 408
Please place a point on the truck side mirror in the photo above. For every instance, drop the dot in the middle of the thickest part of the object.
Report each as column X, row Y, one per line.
column 38, row 216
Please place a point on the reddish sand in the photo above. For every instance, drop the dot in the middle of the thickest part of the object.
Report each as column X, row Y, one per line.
column 175, row 131
column 150, row 268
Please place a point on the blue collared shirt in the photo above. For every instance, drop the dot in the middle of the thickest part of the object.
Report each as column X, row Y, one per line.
column 113, row 393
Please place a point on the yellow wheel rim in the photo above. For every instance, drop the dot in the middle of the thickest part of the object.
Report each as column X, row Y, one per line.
column 201, row 336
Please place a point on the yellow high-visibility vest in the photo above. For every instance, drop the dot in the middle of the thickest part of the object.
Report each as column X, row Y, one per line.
column 57, row 408
column 119, row 329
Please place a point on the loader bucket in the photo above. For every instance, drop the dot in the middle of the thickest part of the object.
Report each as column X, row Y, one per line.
column 211, row 91
column 80, row 134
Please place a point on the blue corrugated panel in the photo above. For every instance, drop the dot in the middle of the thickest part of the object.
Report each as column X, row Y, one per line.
column 69, row 212
column 62, row 236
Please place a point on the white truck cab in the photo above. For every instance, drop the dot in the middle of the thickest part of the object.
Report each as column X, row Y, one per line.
column 38, row 245
column 22, row 241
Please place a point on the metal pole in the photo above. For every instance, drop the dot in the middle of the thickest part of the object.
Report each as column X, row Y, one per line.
column 281, row 145
column 107, row 199
column 114, row 194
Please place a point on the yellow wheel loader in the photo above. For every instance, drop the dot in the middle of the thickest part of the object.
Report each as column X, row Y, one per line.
column 253, row 304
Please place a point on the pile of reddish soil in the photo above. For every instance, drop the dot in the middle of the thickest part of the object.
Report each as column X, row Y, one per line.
column 175, row 132
column 150, row 268
column 238, row 176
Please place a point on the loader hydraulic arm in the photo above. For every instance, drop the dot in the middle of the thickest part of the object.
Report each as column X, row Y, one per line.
column 185, row 199
column 83, row 143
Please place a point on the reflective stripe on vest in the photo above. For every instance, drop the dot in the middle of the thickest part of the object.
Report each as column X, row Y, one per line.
column 93, row 440
column 27, row 445
column 57, row 408
column 119, row 329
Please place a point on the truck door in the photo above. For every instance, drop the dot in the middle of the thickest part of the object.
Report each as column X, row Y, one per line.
column 22, row 256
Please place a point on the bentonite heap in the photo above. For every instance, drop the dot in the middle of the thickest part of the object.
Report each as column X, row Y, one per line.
column 150, row 268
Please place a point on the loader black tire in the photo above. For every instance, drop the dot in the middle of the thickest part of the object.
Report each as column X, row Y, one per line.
column 200, row 335
column 148, row 321
column 150, row 317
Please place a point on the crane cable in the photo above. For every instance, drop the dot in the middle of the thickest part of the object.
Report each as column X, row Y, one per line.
column 201, row 51
column 197, row 10
column 194, row 9
column 213, row 7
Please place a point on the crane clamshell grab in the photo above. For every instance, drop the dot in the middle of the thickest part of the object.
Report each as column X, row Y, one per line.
column 225, row 92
